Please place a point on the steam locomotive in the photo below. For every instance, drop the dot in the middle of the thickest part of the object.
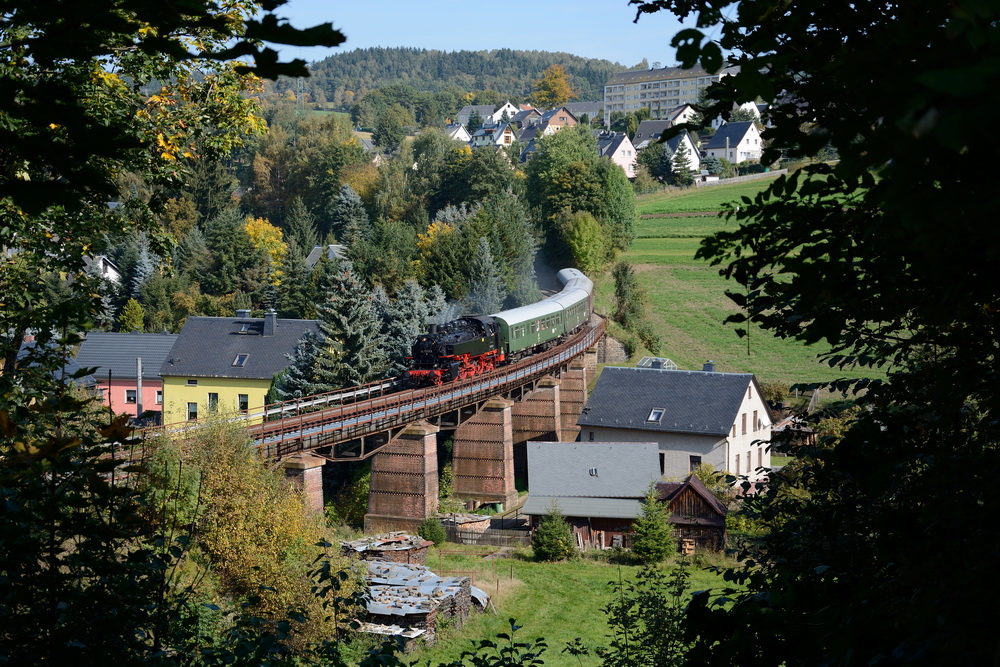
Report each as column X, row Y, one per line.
column 476, row 344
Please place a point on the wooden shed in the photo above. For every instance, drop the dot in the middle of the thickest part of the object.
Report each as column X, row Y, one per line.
column 695, row 512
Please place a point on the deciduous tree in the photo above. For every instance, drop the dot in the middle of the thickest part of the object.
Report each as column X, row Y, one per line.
column 854, row 254
column 553, row 89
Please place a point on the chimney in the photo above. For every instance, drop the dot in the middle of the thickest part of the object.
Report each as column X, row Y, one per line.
column 709, row 366
column 270, row 322
column 242, row 313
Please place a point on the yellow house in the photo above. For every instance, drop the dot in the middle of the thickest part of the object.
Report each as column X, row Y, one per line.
column 226, row 364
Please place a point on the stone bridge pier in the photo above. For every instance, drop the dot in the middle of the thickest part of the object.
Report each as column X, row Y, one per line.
column 404, row 478
column 404, row 481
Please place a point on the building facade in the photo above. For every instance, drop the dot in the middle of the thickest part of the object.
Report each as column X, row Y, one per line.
column 660, row 90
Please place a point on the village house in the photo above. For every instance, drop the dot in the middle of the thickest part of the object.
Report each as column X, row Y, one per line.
column 695, row 417
column 736, row 142
column 493, row 134
column 650, row 132
column 525, row 118
column 488, row 112
column 117, row 359
column 598, row 487
column 556, row 119
column 226, row 364
column 616, row 147
column 457, row 132
column 592, row 110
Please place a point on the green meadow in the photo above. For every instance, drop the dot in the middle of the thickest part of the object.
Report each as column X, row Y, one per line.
column 556, row 601
column 687, row 297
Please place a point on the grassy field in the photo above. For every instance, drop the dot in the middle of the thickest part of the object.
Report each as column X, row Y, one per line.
column 687, row 297
column 556, row 601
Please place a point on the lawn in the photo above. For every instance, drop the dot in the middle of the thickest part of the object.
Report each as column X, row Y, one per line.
column 694, row 200
column 556, row 601
column 687, row 300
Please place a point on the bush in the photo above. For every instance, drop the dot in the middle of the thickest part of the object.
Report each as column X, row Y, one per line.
column 431, row 529
column 553, row 539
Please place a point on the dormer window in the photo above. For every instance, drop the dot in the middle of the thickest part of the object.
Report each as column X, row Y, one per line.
column 245, row 328
column 655, row 415
column 240, row 360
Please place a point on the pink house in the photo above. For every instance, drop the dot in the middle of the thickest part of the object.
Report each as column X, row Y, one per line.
column 112, row 360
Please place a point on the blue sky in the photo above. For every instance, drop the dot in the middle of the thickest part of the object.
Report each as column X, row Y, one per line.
column 589, row 28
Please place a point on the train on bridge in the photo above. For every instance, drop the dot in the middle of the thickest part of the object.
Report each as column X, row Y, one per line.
column 476, row 344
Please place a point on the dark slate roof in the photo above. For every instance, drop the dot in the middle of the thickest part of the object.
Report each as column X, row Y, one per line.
column 207, row 347
column 693, row 401
column 481, row 109
column 608, row 142
column 116, row 352
column 552, row 113
column 733, row 131
column 520, row 117
column 656, row 75
column 650, row 129
column 580, row 108
column 332, row 252
column 529, row 133
column 67, row 369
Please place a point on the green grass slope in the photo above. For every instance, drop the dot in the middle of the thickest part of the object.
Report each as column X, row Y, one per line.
column 687, row 297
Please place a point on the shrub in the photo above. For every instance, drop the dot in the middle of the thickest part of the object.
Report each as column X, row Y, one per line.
column 553, row 539
column 431, row 529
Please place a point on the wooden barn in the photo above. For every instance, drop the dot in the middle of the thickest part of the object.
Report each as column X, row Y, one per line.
column 695, row 512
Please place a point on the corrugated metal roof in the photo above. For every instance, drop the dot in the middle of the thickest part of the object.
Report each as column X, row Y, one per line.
column 610, row 508
column 564, row 469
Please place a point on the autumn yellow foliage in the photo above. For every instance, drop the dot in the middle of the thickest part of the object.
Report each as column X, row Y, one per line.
column 251, row 529
column 268, row 237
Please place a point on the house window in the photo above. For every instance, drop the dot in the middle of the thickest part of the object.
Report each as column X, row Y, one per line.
column 159, row 397
column 749, row 389
column 245, row 328
column 744, row 424
column 694, row 462
column 760, row 457
column 591, row 436
column 240, row 360
column 130, row 396
column 244, row 402
column 213, row 401
column 192, row 383
column 754, row 425
column 663, row 463
column 655, row 415
column 192, row 411
column 737, row 464
column 749, row 461
column 734, row 430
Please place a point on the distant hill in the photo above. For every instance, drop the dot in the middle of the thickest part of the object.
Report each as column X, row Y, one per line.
column 346, row 77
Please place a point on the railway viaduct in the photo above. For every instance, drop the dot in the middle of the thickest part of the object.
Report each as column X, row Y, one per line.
column 538, row 398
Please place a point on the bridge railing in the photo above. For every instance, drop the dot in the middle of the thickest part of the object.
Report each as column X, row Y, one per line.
column 286, row 435
column 353, row 412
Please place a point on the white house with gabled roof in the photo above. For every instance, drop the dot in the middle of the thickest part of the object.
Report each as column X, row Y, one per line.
column 695, row 417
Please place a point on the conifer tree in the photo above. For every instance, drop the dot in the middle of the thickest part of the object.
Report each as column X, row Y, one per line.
column 405, row 318
column 296, row 295
column 353, row 348
column 132, row 316
column 475, row 122
column 300, row 225
column 144, row 268
column 486, row 288
column 350, row 219
column 653, row 539
column 553, row 539
column 299, row 379
column 681, row 166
